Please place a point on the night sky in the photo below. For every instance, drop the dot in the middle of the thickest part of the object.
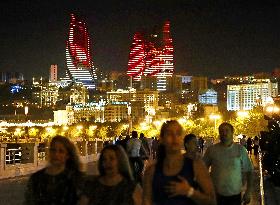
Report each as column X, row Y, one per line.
column 213, row 38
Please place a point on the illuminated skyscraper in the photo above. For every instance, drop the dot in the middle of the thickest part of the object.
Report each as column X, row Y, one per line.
column 136, row 62
column 152, row 56
column 78, row 55
column 53, row 73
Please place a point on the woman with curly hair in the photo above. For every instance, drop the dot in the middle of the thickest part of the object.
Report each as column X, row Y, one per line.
column 58, row 183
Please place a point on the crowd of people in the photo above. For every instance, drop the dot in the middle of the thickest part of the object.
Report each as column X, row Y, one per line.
column 250, row 144
column 125, row 177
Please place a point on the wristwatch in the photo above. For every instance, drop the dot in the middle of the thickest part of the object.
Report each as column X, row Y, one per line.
column 190, row 192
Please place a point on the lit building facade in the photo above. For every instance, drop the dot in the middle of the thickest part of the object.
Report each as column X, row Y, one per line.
column 93, row 112
column 78, row 55
column 151, row 56
column 246, row 96
column 116, row 112
column 198, row 84
column 79, row 95
column 209, row 97
column 63, row 117
column 48, row 95
column 53, row 74
column 121, row 96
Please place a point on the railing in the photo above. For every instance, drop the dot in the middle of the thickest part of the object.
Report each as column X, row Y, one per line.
column 13, row 156
column 261, row 178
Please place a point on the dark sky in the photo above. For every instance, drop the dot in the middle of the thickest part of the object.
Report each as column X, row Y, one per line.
column 213, row 38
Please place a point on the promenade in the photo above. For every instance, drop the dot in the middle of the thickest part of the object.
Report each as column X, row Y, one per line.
column 12, row 189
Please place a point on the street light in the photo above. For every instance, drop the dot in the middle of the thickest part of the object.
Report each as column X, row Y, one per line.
column 215, row 117
column 79, row 127
column 272, row 109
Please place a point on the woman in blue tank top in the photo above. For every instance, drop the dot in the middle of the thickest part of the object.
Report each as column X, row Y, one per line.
column 176, row 179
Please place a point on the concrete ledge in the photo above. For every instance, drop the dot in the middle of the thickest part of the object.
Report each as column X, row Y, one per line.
column 16, row 170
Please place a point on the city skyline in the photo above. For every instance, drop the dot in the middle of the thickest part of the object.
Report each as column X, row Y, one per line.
column 210, row 38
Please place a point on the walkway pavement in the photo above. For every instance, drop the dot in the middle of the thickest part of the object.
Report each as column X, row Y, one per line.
column 271, row 192
column 12, row 190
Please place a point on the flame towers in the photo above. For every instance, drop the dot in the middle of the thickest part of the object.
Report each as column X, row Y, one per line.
column 78, row 55
column 151, row 55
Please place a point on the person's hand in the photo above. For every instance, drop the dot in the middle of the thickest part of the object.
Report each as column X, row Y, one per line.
column 178, row 188
column 246, row 197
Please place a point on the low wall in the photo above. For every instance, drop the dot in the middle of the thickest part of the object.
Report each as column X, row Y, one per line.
column 30, row 164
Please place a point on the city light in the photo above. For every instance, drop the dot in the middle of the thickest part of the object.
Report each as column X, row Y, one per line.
column 272, row 109
column 65, row 128
column 79, row 127
column 215, row 117
column 242, row 114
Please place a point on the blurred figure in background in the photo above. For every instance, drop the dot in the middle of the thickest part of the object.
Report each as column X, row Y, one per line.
column 243, row 141
column 201, row 142
column 249, row 145
column 256, row 145
column 154, row 147
column 191, row 146
column 133, row 147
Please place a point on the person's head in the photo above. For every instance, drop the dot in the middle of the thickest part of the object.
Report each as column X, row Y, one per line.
column 244, row 136
column 226, row 133
column 127, row 137
column 120, row 137
column 191, row 143
column 113, row 160
column 141, row 135
column 134, row 134
column 171, row 140
column 171, row 136
column 63, row 152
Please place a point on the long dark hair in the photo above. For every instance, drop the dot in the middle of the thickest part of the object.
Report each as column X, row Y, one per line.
column 73, row 162
column 123, row 162
column 161, row 152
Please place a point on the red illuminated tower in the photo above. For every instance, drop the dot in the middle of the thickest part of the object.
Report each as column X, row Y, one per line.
column 78, row 54
column 152, row 56
column 136, row 62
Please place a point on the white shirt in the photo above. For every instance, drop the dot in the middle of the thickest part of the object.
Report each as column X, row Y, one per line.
column 133, row 147
column 227, row 165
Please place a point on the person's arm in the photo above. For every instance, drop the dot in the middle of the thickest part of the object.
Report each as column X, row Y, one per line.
column 207, row 157
column 183, row 188
column 137, row 195
column 147, row 185
column 207, row 194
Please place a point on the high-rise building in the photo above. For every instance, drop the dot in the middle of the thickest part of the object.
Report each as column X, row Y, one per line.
column 53, row 73
column 78, row 55
column 152, row 56
column 247, row 95
column 198, row 84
